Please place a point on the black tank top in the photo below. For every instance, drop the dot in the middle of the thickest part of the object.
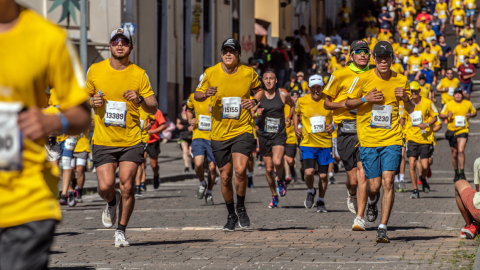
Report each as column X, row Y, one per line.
column 274, row 110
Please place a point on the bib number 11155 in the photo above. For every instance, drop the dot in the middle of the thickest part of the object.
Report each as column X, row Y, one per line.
column 11, row 142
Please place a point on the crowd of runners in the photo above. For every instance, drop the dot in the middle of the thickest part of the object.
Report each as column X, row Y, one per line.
column 368, row 106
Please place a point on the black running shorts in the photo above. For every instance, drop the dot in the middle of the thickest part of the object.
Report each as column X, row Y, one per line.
column 346, row 147
column 153, row 149
column 111, row 154
column 416, row 150
column 453, row 140
column 310, row 164
column 222, row 150
column 291, row 150
column 266, row 144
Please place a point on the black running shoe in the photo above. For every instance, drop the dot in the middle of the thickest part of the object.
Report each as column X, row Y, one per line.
column 425, row 185
column 335, row 167
column 78, row 196
column 250, row 181
column 382, row 236
column 243, row 220
column 186, row 170
column 372, row 210
column 331, row 180
column 462, row 176
column 71, row 199
column 143, row 187
column 456, row 178
column 156, row 182
column 63, row 200
column 231, row 222
column 310, row 200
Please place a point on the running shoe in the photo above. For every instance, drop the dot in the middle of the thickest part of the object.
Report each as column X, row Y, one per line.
column 274, row 202
column 186, row 170
column 120, row 239
column 415, row 195
column 288, row 179
column 71, row 199
column 403, row 188
column 456, row 178
column 310, row 200
column 335, row 167
column 63, row 199
column 419, row 182
column 156, row 181
column 78, row 196
column 470, row 231
column 231, row 222
column 425, row 186
column 352, row 203
column 250, row 181
column 282, row 188
column 201, row 191
column 243, row 219
column 358, row 224
column 321, row 207
column 109, row 215
column 260, row 166
column 396, row 187
column 462, row 235
column 462, row 176
column 429, row 174
column 331, row 180
column 138, row 192
column 372, row 210
column 209, row 199
column 382, row 236
column 143, row 187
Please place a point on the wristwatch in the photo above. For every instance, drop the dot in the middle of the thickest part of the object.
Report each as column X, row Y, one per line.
column 256, row 101
column 141, row 100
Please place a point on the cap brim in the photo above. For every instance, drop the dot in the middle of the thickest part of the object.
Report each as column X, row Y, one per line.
column 229, row 46
column 119, row 35
column 378, row 53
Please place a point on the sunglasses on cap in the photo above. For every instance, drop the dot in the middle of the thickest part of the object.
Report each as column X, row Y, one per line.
column 116, row 42
column 359, row 52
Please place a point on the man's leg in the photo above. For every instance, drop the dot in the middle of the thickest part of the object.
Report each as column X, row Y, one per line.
column 461, row 142
column 322, row 185
column 413, row 174
column 226, row 173
column 388, row 195
column 106, row 181
column 460, row 186
column 270, row 173
column 144, row 171
column 277, row 158
column 212, row 174
column 156, row 170
column 186, row 155
column 454, row 157
column 128, row 169
column 199, row 170
column 80, row 181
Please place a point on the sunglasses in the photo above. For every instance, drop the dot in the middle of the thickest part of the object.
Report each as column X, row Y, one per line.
column 359, row 52
column 116, row 42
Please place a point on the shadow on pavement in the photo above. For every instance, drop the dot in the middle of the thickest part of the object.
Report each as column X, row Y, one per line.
column 66, row 233
column 152, row 243
column 73, row 268
column 51, row 252
column 284, row 229
column 81, row 209
column 420, row 238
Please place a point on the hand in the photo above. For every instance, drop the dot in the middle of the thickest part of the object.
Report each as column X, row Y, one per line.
column 434, row 100
column 468, row 115
column 259, row 111
column 98, row 100
column 35, row 125
column 248, row 104
column 374, row 96
column 450, row 114
column 193, row 122
column 148, row 126
column 211, row 91
column 209, row 108
column 190, row 128
column 288, row 122
column 422, row 126
column 150, row 132
column 131, row 95
column 329, row 129
column 401, row 93
column 298, row 132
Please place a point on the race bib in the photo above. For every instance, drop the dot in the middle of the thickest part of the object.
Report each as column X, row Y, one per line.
column 405, row 59
column 407, row 14
column 459, row 121
column 442, row 12
column 435, row 53
column 416, row 118
column 71, row 142
column 405, row 29
column 415, row 68
column 381, row 116
column 451, row 90
column 142, row 124
column 428, row 39
column 461, row 58
column 470, row 6
column 345, row 15
column 410, row 46
column 205, row 123
column 458, row 18
column 115, row 113
column 430, row 65
column 231, row 107
column 317, row 124
column 272, row 125
column 11, row 141
column 458, row 3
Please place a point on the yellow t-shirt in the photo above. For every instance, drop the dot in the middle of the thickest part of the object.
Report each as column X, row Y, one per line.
column 53, row 101
column 458, row 17
column 378, row 137
column 403, row 52
column 467, row 33
column 458, row 109
column 433, row 138
column 425, row 89
column 113, row 83
column 329, row 49
column 474, row 48
column 437, row 50
column 337, row 88
column 382, row 36
column 233, row 85
column 291, row 137
column 431, row 58
column 35, row 54
column 398, row 68
column 395, row 46
column 308, row 108
column 408, row 12
column 415, row 64
column 344, row 14
column 413, row 133
column 456, row 3
column 426, row 36
column 372, row 31
column 370, row 19
column 460, row 52
column 403, row 27
column 470, row 4
column 447, row 84
column 144, row 118
column 441, row 8
column 421, row 27
column 83, row 143
column 201, row 109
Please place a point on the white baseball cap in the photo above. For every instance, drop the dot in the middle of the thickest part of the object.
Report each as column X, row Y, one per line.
column 315, row 80
column 120, row 32
column 336, row 50
column 415, row 50
column 320, row 47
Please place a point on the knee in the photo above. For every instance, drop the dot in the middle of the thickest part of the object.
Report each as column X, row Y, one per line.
column 277, row 163
column 269, row 169
column 323, row 176
column 309, row 172
column 461, row 151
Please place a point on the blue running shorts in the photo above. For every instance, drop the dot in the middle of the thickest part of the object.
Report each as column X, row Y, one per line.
column 376, row 160
column 202, row 147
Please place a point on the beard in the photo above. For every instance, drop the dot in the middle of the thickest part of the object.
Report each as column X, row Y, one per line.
column 118, row 57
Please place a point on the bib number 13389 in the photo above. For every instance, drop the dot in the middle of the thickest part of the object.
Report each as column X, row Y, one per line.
column 11, row 142
column 115, row 113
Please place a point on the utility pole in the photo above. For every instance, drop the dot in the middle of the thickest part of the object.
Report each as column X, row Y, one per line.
column 83, row 34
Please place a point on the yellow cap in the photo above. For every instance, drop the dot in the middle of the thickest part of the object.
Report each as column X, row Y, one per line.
column 462, row 39
column 414, row 86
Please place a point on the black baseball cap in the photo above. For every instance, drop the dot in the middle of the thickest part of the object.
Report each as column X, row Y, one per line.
column 422, row 77
column 358, row 45
column 383, row 47
column 232, row 43
column 458, row 90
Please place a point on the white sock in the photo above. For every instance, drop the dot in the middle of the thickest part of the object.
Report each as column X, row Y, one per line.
column 320, row 199
column 402, row 177
column 312, row 191
column 382, row 226
column 359, row 218
column 369, row 201
column 249, row 174
column 209, row 191
column 351, row 194
column 203, row 183
column 330, row 174
column 396, row 178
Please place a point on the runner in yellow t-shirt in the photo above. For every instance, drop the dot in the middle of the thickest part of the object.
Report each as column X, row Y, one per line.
column 29, row 209
column 408, row 10
column 413, row 65
column 403, row 53
column 430, row 57
column 470, row 7
column 146, row 120
column 344, row 13
column 447, row 86
column 426, row 89
column 441, row 9
column 437, row 50
column 403, row 26
column 229, row 84
column 118, row 88
column 458, row 19
column 467, row 32
column 291, row 143
column 418, row 128
column 79, row 164
column 460, row 52
column 397, row 66
column 379, row 132
column 457, row 112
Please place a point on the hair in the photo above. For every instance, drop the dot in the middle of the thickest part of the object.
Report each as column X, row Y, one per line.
column 279, row 43
column 449, row 69
column 269, row 70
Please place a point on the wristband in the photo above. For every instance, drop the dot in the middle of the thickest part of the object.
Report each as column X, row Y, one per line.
column 256, row 114
column 91, row 102
column 428, row 124
column 334, row 127
column 363, row 99
column 64, row 122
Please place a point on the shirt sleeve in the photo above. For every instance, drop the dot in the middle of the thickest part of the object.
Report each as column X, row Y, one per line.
column 433, row 110
column 159, row 119
column 65, row 74
column 298, row 108
column 445, row 109
column 333, row 85
column 255, row 80
column 203, row 83
column 356, row 89
column 90, row 86
column 472, row 109
column 190, row 103
column 145, row 87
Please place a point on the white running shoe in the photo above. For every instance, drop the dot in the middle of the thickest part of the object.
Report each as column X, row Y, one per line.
column 352, row 203
column 358, row 224
column 109, row 215
column 120, row 239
